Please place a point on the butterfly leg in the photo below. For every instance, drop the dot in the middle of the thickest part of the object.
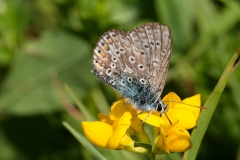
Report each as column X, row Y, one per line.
column 168, row 118
column 137, row 115
column 165, row 113
column 124, row 108
column 147, row 116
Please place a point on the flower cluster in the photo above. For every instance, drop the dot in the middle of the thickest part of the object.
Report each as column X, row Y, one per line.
column 122, row 129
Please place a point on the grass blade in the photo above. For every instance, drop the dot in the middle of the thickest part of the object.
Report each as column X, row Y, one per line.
column 211, row 104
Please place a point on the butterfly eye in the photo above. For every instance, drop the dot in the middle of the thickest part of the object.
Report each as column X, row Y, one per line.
column 159, row 107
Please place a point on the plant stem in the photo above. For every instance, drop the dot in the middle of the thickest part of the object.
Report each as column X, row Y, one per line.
column 152, row 155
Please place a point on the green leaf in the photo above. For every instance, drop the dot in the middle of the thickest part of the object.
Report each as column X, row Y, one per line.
column 79, row 104
column 28, row 88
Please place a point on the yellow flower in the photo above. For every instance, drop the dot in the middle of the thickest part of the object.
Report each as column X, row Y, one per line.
column 136, row 128
column 107, row 133
column 113, row 131
column 175, row 137
column 171, row 139
column 186, row 111
column 170, row 134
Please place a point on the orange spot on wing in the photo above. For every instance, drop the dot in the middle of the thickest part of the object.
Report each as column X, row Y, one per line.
column 99, row 65
column 110, row 41
column 106, row 47
column 102, row 55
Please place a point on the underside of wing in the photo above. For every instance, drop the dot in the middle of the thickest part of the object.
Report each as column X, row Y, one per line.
column 134, row 63
column 154, row 41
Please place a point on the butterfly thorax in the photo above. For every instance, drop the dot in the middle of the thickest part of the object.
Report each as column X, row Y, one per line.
column 141, row 97
column 142, row 105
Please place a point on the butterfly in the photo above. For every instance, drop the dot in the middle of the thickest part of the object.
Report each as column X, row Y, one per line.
column 135, row 64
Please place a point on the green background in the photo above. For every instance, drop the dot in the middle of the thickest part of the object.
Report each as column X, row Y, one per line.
column 47, row 43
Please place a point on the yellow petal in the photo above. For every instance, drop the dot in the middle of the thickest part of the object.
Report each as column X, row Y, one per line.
column 130, row 131
column 97, row 132
column 186, row 117
column 136, row 125
column 139, row 131
column 178, row 140
column 195, row 101
column 125, row 119
column 104, row 118
column 126, row 140
column 151, row 119
column 169, row 126
column 161, row 145
column 119, row 127
column 116, row 137
column 131, row 109
column 171, row 99
column 116, row 110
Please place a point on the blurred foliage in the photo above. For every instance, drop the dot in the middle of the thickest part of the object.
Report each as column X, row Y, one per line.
column 45, row 43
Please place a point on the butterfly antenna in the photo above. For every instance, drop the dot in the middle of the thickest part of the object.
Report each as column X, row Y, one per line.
column 202, row 107
column 168, row 118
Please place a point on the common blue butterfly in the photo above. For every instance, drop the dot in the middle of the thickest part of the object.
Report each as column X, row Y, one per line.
column 135, row 64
